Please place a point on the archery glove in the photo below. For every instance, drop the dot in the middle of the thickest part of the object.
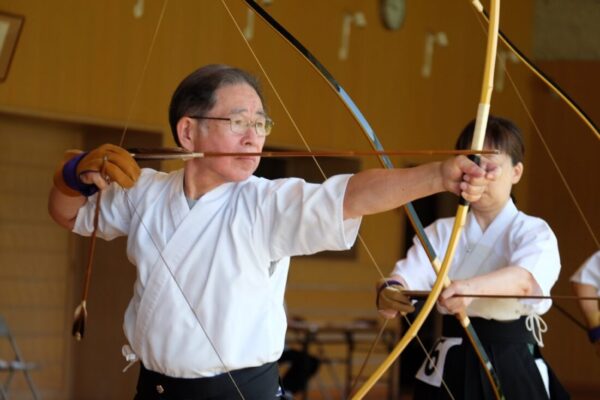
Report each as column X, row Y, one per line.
column 390, row 297
column 114, row 162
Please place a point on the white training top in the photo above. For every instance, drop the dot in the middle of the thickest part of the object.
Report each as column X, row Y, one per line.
column 229, row 254
column 589, row 272
column 513, row 238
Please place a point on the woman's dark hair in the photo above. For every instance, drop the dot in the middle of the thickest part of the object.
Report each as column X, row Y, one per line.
column 196, row 93
column 501, row 134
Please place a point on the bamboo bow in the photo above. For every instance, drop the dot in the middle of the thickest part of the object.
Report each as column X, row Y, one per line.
column 461, row 215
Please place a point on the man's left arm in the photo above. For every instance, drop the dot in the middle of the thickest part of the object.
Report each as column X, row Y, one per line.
column 378, row 190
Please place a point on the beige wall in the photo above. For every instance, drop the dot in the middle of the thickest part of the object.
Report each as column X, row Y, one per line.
column 77, row 70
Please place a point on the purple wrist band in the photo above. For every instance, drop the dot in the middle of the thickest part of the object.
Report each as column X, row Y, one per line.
column 389, row 282
column 594, row 334
column 72, row 180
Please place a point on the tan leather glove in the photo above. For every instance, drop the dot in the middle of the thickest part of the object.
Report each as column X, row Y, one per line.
column 390, row 297
column 114, row 162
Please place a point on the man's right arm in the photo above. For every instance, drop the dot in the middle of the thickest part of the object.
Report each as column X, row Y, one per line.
column 63, row 209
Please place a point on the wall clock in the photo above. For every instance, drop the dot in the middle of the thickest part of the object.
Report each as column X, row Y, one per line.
column 392, row 13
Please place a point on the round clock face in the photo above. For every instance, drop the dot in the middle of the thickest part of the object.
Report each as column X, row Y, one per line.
column 392, row 12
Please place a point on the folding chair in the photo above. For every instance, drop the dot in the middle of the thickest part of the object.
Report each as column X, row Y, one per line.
column 15, row 365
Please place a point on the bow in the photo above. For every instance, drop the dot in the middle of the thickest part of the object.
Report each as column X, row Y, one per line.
column 555, row 87
column 441, row 280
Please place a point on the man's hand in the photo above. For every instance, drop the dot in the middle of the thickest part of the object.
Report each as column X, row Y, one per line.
column 391, row 300
column 85, row 173
column 463, row 177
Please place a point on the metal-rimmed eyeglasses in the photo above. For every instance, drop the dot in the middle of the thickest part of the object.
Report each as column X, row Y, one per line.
column 239, row 125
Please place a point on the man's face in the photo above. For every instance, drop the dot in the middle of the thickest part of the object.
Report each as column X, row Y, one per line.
column 232, row 101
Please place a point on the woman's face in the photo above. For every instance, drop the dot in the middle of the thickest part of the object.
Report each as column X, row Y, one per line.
column 498, row 192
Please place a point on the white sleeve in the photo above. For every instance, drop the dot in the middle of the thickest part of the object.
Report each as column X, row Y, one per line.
column 301, row 218
column 589, row 272
column 115, row 209
column 535, row 248
column 112, row 222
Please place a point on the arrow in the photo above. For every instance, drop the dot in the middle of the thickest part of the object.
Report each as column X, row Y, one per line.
column 177, row 153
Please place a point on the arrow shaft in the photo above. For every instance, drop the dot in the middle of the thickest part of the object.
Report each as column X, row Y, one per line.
column 176, row 154
column 425, row 293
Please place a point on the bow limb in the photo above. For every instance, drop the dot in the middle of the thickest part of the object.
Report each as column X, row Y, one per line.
column 562, row 94
column 461, row 214
column 442, row 280
column 80, row 315
column 463, row 208
column 555, row 87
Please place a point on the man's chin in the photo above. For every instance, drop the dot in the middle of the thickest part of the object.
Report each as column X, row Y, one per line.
column 242, row 176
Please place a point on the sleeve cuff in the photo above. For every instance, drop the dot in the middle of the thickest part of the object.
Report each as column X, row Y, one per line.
column 594, row 334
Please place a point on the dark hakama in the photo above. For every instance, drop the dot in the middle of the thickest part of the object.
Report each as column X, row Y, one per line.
column 513, row 353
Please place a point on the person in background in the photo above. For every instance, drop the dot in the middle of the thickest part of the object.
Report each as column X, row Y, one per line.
column 301, row 367
column 502, row 251
column 586, row 283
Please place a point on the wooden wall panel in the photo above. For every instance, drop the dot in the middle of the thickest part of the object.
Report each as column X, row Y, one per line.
column 35, row 261
column 575, row 150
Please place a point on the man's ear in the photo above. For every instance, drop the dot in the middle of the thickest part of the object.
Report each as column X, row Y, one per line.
column 517, row 172
column 186, row 127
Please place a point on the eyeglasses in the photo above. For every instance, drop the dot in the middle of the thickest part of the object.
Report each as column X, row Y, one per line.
column 262, row 126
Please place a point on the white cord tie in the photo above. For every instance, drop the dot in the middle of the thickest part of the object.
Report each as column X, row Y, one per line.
column 129, row 355
column 537, row 326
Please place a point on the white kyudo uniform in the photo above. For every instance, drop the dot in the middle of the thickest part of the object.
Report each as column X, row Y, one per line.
column 589, row 272
column 230, row 256
column 513, row 238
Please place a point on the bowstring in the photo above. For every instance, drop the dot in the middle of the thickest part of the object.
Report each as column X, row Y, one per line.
column 324, row 175
column 139, row 85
